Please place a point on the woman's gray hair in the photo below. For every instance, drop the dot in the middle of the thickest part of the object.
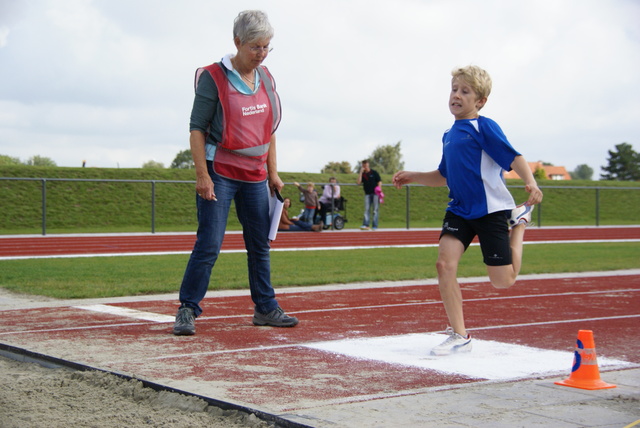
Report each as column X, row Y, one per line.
column 252, row 25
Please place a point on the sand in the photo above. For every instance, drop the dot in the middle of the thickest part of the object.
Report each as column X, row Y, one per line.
column 35, row 396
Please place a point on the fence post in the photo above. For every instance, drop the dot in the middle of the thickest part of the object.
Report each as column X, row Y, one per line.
column 408, row 204
column 44, row 206
column 540, row 214
column 597, row 207
column 153, row 206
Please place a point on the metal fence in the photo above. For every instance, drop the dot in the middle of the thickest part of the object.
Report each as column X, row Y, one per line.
column 44, row 182
column 538, row 214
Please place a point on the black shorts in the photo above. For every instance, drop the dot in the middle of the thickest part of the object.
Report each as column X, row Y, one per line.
column 492, row 231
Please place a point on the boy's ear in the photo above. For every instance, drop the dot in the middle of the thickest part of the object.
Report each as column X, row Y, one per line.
column 481, row 102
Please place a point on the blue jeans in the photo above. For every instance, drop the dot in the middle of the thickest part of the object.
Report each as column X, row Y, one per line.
column 299, row 226
column 371, row 202
column 309, row 214
column 252, row 206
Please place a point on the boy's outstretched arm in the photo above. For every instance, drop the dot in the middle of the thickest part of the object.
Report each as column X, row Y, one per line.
column 521, row 167
column 431, row 178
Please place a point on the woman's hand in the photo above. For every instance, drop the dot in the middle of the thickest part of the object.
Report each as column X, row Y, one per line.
column 275, row 183
column 204, row 188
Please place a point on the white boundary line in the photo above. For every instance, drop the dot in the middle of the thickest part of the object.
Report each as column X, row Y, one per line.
column 166, row 319
column 353, row 247
column 238, row 232
column 129, row 313
column 311, row 343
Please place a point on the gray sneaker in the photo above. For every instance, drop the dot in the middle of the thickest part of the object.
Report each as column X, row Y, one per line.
column 275, row 318
column 185, row 324
column 454, row 344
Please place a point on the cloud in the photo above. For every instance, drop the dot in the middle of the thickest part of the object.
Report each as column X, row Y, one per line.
column 112, row 81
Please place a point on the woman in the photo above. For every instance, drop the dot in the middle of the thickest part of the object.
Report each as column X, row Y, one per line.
column 235, row 114
column 330, row 193
column 288, row 224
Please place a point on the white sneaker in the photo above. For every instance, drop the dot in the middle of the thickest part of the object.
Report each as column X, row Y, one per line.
column 521, row 215
column 454, row 343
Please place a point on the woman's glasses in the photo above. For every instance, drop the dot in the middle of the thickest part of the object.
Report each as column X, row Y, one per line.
column 257, row 49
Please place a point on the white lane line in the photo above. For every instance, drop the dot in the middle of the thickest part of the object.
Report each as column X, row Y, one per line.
column 118, row 325
column 57, row 330
column 479, row 299
column 150, row 316
column 530, row 324
column 424, row 355
column 127, row 312
column 353, row 247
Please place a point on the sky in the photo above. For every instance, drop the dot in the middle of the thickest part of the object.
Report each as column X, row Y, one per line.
column 110, row 82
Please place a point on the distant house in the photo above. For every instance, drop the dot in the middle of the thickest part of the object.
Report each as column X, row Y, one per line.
column 552, row 172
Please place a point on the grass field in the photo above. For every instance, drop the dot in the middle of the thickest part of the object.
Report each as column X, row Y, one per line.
column 137, row 275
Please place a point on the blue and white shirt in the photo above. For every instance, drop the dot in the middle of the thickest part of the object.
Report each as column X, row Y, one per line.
column 474, row 154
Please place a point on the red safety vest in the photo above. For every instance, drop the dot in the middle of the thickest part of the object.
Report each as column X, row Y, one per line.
column 248, row 123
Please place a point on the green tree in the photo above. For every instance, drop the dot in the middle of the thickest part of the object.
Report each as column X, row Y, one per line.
column 8, row 160
column 582, row 172
column 183, row 160
column 385, row 159
column 40, row 161
column 152, row 164
column 539, row 174
column 624, row 164
column 343, row 167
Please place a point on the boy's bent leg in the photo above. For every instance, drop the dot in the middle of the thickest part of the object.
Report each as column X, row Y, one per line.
column 505, row 276
column 516, row 241
column 450, row 251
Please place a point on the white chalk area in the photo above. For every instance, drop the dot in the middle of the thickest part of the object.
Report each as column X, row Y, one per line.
column 488, row 360
column 128, row 313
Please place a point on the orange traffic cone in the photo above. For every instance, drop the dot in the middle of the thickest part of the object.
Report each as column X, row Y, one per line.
column 585, row 373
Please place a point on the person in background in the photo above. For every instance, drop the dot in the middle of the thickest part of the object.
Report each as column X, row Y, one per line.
column 310, row 201
column 235, row 160
column 292, row 224
column 370, row 179
column 330, row 192
column 475, row 152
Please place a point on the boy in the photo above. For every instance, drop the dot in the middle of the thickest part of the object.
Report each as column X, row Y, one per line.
column 310, row 201
column 475, row 152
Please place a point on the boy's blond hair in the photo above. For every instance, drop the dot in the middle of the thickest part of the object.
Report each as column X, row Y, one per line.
column 310, row 184
column 475, row 77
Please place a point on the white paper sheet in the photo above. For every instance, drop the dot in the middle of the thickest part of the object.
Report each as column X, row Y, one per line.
column 276, row 203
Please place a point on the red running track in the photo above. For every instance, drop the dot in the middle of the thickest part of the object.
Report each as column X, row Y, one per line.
column 278, row 370
column 59, row 245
